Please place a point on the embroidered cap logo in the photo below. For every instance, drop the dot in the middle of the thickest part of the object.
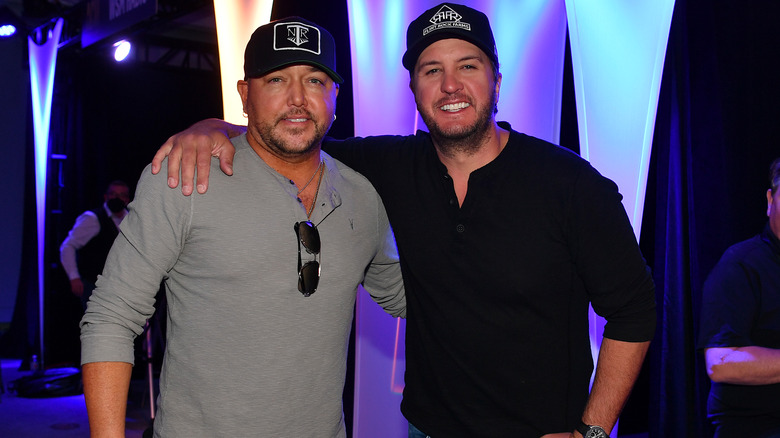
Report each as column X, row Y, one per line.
column 297, row 36
column 444, row 18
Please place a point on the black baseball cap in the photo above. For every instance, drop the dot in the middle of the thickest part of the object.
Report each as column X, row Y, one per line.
column 449, row 20
column 289, row 41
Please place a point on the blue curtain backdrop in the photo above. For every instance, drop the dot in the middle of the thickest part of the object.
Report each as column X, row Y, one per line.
column 715, row 137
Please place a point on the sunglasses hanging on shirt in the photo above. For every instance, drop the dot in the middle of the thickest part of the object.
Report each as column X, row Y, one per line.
column 309, row 272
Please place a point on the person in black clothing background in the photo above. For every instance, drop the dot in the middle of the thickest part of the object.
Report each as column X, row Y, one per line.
column 740, row 331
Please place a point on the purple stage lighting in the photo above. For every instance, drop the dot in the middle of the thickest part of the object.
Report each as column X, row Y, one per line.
column 121, row 50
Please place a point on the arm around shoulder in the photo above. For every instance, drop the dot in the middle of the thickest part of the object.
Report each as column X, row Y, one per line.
column 193, row 148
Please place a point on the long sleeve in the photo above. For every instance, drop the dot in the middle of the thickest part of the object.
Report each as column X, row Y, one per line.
column 147, row 246
column 86, row 227
column 618, row 281
column 383, row 278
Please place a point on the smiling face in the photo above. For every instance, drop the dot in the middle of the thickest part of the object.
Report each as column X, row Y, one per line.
column 456, row 91
column 289, row 110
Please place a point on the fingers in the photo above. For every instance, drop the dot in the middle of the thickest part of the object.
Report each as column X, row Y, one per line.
column 226, row 162
column 191, row 150
column 174, row 162
column 203, row 160
column 222, row 148
column 160, row 155
column 225, row 150
column 187, row 165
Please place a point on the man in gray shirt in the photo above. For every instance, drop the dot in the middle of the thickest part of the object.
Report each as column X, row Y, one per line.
column 261, row 272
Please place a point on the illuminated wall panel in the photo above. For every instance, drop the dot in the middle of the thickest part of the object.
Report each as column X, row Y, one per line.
column 236, row 21
column 618, row 51
column 531, row 39
column 43, row 60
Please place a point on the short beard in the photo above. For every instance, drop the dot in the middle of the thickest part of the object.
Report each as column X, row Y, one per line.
column 283, row 147
column 462, row 139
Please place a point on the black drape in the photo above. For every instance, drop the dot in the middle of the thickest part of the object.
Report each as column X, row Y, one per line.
column 712, row 148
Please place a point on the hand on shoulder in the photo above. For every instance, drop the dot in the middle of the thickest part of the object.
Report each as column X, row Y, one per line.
column 192, row 149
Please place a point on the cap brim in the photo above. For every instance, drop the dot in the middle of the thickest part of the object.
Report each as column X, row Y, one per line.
column 333, row 75
column 409, row 60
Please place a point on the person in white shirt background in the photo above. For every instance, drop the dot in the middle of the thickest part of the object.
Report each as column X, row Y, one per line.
column 84, row 251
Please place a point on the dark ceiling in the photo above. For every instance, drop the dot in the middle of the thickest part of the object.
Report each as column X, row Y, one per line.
column 182, row 31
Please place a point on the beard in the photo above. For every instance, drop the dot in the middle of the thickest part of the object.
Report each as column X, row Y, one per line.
column 461, row 138
column 292, row 142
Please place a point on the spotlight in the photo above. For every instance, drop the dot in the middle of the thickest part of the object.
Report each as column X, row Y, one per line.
column 121, row 50
column 7, row 30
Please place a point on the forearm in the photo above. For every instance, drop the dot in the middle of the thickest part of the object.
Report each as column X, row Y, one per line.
column 749, row 365
column 618, row 367
column 68, row 261
column 232, row 130
column 87, row 226
column 214, row 125
column 106, row 385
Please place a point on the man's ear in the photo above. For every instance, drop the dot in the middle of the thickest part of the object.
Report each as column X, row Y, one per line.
column 243, row 91
column 498, row 85
column 769, row 200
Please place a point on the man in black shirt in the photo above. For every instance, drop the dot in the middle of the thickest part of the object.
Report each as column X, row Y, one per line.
column 740, row 331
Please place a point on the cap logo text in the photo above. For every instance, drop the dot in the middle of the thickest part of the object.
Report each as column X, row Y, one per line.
column 296, row 36
column 446, row 18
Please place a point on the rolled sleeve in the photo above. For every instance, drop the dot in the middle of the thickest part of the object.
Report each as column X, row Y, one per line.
column 617, row 279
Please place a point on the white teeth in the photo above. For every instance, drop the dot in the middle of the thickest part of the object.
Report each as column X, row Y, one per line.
column 455, row 106
column 297, row 120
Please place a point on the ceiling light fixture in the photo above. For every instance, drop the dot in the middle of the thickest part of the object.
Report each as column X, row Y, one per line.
column 121, row 50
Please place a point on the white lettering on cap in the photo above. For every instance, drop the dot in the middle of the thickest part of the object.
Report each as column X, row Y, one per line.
column 446, row 18
column 296, row 36
column 443, row 14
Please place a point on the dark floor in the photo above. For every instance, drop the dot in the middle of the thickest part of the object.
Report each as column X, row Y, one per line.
column 66, row 417
column 60, row 417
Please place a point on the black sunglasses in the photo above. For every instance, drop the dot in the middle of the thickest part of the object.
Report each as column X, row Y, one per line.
column 309, row 273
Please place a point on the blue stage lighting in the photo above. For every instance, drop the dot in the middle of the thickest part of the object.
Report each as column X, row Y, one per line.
column 7, row 30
